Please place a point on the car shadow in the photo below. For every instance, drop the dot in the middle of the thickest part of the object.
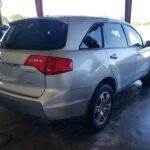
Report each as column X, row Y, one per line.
column 73, row 133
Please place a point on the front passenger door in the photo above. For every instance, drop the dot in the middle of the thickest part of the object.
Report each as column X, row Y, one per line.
column 135, row 42
column 121, row 57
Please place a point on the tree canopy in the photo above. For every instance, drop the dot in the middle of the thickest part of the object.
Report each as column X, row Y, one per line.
column 16, row 17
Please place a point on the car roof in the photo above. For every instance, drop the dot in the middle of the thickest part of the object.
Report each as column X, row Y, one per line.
column 83, row 18
column 78, row 26
column 68, row 19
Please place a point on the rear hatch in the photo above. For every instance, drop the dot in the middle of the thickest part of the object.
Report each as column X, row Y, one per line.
column 24, row 39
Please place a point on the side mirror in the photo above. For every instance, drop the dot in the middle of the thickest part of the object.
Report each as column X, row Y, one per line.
column 147, row 44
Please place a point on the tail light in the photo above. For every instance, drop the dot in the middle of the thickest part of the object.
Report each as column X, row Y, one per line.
column 50, row 65
column 57, row 65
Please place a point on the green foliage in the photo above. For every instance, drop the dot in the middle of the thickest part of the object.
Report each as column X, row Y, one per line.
column 16, row 17
column 5, row 20
column 146, row 24
column 140, row 23
column 122, row 17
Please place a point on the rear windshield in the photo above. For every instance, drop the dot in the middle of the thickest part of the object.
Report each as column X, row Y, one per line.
column 36, row 35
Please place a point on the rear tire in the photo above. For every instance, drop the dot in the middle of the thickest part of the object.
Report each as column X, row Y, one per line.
column 100, row 107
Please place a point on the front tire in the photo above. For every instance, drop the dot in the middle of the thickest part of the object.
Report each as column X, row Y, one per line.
column 100, row 107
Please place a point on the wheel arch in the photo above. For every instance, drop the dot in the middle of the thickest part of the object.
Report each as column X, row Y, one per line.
column 108, row 80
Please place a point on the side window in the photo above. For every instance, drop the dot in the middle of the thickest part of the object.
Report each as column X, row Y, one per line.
column 114, row 36
column 134, row 38
column 93, row 39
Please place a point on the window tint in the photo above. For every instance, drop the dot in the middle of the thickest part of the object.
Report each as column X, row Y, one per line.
column 114, row 36
column 133, row 37
column 2, row 31
column 36, row 35
column 93, row 39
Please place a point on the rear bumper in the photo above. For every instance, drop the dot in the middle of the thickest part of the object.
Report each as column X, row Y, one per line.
column 52, row 106
column 22, row 106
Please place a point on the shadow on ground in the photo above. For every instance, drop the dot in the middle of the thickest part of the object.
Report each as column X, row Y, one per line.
column 129, row 128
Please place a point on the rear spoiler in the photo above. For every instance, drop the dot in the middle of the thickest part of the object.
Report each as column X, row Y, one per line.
column 32, row 20
column 23, row 21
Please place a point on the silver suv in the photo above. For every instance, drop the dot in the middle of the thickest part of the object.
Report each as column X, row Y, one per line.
column 63, row 67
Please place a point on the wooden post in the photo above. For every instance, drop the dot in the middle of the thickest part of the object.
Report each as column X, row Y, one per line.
column 0, row 13
column 39, row 7
column 128, row 9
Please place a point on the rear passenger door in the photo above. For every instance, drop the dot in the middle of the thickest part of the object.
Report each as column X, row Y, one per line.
column 121, row 57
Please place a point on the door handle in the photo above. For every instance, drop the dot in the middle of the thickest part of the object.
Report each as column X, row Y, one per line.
column 113, row 56
column 138, row 53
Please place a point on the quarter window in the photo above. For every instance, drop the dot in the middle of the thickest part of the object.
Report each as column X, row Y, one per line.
column 133, row 37
column 93, row 39
column 114, row 36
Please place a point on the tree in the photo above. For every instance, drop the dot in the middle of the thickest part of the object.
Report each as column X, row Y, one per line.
column 137, row 23
column 122, row 17
column 5, row 20
column 146, row 24
column 16, row 17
